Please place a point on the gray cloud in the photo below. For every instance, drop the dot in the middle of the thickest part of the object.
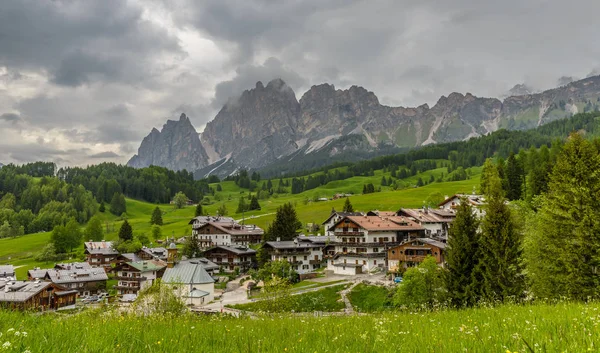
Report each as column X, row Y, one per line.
column 105, row 155
column 10, row 117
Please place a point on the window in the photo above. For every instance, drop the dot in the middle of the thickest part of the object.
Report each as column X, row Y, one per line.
column 374, row 262
column 375, row 249
column 364, row 262
column 393, row 252
column 305, row 257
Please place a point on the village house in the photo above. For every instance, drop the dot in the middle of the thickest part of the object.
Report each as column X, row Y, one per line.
column 210, row 267
column 199, row 221
column 85, row 281
column 35, row 295
column 135, row 276
column 191, row 282
column 304, row 253
column 360, row 242
column 152, row 254
column 100, row 253
column 7, row 271
column 413, row 252
column 227, row 234
column 230, row 257
column 38, row 273
column 435, row 221
column 476, row 201
column 334, row 217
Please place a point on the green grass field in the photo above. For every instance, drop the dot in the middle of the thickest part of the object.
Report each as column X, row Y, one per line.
column 564, row 327
column 22, row 251
column 368, row 299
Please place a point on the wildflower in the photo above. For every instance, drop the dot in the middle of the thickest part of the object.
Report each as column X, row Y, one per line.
column 6, row 345
column 158, row 342
column 10, row 330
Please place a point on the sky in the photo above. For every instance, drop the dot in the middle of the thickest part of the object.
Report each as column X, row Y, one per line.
column 83, row 82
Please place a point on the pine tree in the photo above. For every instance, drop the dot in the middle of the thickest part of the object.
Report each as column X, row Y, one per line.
column 419, row 182
column 93, row 230
column 156, row 217
column 383, row 181
column 242, row 207
column 191, row 247
column 348, row 206
column 73, row 234
column 199, row 210
column 156, row 232
column 285, row 225
column 117, row 204
column 126, row 232
column 562, row 246
column 254, row 205
column 514, row 178
column 102, row 208
column 462, row 256
column 499, row 266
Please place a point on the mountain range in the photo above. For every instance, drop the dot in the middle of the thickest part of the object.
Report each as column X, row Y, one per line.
column 267, row 128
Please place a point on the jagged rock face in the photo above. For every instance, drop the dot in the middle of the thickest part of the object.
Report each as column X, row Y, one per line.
column 258, row 127
column 268, row 124
column 176, row 147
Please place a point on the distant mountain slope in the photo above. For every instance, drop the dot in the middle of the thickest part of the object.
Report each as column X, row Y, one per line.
column 267, row 124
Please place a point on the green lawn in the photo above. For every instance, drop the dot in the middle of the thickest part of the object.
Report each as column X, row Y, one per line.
column 563, row 327
column 326, row 299
column 367, row 298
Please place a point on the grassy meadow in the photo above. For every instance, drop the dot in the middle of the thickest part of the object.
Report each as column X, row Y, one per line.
column 21, row 251
column 562, row 327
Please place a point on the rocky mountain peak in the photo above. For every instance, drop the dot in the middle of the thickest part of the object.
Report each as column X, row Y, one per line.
column 177, row 146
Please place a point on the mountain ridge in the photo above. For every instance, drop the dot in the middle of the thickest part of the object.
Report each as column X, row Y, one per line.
column 267, row 124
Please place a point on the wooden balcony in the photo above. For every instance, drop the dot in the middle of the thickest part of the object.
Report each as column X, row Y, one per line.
column 315, row 262
column 386, row 244
column 412, row 258
column 349, row 233
column 362, row 254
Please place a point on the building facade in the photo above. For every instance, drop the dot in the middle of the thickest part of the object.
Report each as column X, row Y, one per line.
column 100, row 253
column 85, row 281
column 436, row 222
column 304, row 253
column 413, row 252
column 35, row 295
column 135, row 276
column 191, row 282
column 230, row 257
column 228, row 234
column 361, row 242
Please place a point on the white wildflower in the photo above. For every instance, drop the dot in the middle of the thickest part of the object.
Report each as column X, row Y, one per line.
column 6, row 345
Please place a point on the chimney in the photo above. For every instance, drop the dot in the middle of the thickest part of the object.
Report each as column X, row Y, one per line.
column 278, row 239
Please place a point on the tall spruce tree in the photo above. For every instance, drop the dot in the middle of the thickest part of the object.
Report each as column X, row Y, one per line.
column 499, row 267
column 117, row 204
column 156, row 218
column 285, row 225
column 254, row 205
column 199, row 210
column 126, row 232
column 562, row 246
column 514, row 178
column 462, row 257
column 348, row 206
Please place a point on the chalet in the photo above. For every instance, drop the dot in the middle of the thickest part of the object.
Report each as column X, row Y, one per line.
column 413, row 252
column 135, row 276
column 435, row 221
column 152, row 254
column 100, row 253
column 305, row 254
column 199, row 221
column 336, row 216
column 38, row 273
column 228, row 234
column 361, row 242
column 85, row 281
column 230, row 257
column 191, row 282
column 476, row 201
column 381, row 213
column 128, row 257
column 35, row 295
column 7, row 271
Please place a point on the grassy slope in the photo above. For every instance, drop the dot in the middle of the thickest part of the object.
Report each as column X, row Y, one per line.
column 21, row 251
column 367, row 299
column 327, row 299
column 546, row 328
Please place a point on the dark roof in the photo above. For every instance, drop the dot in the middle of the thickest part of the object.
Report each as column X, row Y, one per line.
column 187, row 273
column 76, row 275
column 7, row 271
column 147, row 265
column 206, row 263
column 427, row 215
column 131, row 257
column 206, row 219
column 155, row 252
column 428, row 241
column 289, row 244
column 316, row 240
column 238, row 250
column 20, row 291
column 73, row 266
column 234, row 228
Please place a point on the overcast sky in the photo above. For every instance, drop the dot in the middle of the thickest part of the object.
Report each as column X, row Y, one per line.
column 84, row 81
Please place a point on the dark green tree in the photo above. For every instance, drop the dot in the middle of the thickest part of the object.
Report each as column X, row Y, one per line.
column 191, row 247
column 514, row 178
column 199, row 211
column 242, row 206
column 102, row 208
column 73, row 233
column 126, row 232
column 462, row 257
column 562, row 245
column 93, row 230
column 383, row 181
column 348, row 206
column 285, row 225
column 254, row 205
column 118, row 205
column 157, row 217
column 499, row 263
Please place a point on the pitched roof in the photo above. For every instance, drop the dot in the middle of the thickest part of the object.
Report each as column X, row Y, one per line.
column 238, row 250
column 427, row 215
column 155, row 252
column 206, row 263
column 342, row 214
column 131, row 256
column 20, row 291
column 76, row 275
column 378, row 223
column 289, row 244
column 474, row 200
column 315, row 239
column 234, row 228
column 73, row 266
column 147, row 265
column 100, row 248
column 187, row 273
column 37, row 273
column 428, row 241
column 7, row 271
column 206, row 219
column 197, row 293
